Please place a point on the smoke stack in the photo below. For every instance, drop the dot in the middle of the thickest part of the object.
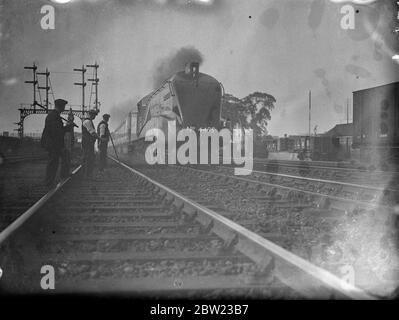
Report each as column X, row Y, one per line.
column 176, row 62
column 187, row 68
column 194, row 69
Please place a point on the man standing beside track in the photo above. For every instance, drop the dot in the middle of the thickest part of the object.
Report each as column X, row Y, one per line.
column 103, row 133
column 89, row 137
column 53, row 141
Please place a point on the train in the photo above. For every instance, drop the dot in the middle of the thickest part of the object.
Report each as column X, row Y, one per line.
column 194, row 99
column 320, row 148
column 191, row 98
column 372, row 139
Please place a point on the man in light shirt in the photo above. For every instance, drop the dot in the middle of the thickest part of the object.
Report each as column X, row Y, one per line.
column 89, row 137
column 104, row 134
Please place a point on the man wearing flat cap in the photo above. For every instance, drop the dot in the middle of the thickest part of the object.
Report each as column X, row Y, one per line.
column 53, row 141
column 89, row 137
column 104, row 134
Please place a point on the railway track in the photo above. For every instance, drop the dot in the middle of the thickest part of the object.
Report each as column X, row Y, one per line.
column 332, row 172
column 341, row 191
column 16, row 158
column 129, row 233
column 21, row 185
column 333, row 232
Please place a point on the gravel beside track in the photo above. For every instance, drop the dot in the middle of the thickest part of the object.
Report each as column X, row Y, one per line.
column 21, row 185
column 375, row 178
column 143, row 243
column 332, row 238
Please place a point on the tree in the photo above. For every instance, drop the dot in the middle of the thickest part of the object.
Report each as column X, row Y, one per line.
column 250, row 112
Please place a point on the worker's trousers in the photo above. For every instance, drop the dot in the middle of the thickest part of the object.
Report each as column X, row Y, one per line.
column 103, row 156
column 88, row 160
column 52, row 165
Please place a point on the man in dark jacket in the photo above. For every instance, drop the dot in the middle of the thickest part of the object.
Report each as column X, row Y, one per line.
column 53, row 142
column 69, row 141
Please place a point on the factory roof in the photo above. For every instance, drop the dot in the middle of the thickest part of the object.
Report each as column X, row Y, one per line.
column 340, row 130
column 376, row 87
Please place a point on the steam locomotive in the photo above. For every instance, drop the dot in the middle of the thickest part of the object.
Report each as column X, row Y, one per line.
column 191, row 98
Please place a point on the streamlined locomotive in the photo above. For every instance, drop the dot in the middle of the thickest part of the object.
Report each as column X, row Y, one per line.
column 191, row 98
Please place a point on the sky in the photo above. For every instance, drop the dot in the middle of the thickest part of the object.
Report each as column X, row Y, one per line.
column 282, row 47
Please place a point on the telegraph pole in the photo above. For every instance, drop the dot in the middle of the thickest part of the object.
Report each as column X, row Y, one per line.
column 83, row 84
column 347, row 110
column 310, row 108
column 26, row 110
column 33, row 82
column 32, row 110
column 348, row 151
column 47, row 87
column 94, row 82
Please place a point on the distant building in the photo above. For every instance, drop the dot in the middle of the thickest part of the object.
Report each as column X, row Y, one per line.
column 298, row 143
column 9, row 134
column 376, row 122
column 292, row 143
column 376, row 115
column 272, row 143
column 342, row 135
column 341, row 130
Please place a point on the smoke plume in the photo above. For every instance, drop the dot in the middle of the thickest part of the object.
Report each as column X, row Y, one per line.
column 120, row 111
column 175, row 62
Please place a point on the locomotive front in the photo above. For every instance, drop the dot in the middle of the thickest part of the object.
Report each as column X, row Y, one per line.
column 191, row 98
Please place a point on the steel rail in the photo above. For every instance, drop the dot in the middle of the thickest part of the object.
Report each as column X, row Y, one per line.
column 346, row 184
column 291, row 269
column 17, row 159
column 314, row 165
column 312, row 193
column 15, row 225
